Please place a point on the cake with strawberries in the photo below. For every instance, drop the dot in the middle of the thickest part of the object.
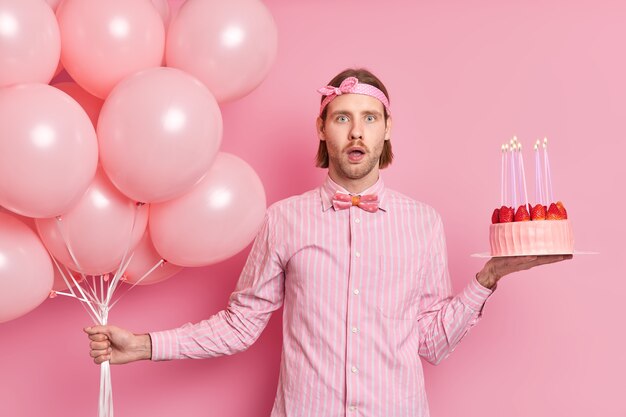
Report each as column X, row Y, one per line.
column 540, row 229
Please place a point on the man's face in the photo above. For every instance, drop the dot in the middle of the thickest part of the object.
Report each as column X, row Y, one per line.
column 354, row 131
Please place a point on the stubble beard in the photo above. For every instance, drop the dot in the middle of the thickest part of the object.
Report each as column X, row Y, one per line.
column 356, row 171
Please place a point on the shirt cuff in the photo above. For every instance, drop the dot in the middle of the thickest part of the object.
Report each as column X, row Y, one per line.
column 165, row 345
column 475, row 295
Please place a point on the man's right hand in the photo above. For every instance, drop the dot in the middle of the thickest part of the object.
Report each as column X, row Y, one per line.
column 118, row 346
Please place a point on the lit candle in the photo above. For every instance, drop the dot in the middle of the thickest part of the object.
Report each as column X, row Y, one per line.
column 538, row 193
column 548, row 176
column 521, row 164
column 505, row 149
column 502, row 175
column 513, row 182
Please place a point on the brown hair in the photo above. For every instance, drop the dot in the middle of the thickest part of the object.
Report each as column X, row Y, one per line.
column 366, row 77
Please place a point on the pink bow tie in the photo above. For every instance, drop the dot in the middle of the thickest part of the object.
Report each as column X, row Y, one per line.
column 366, row 202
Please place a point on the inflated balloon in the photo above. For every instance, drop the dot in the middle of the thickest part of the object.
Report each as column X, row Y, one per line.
column 48, row 150
column 58, row 284
column 145, row 257
column 25, row 269
column 228, row 45
column 99, row 229
column 106, row 41
column 215, row 220
column 54, row 4
column 159, row 131
column 163, row 7
column 30, row 44
column 59, row 69
column 90, row 103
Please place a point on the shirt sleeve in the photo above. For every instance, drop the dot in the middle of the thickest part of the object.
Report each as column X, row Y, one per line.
column 444, row 319
column 259, row 292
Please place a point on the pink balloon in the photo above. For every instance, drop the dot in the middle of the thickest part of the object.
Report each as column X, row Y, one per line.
column 97, row 229
column 28, row 221
column 91, row 104
column 144, row 259
column 59, row 284
column 163, row 7
column 228, row 45
column 106, row 41
column 25, row 269
column 48, row 150
column 58, row 70
column 54, row 4
column 30, row 44
column 215, row 220
column 159, row 131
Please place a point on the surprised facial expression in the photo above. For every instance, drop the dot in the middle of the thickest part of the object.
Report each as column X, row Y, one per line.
column 355, row 131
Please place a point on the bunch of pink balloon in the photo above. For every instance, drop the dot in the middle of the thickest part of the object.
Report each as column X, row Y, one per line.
column 116, row 175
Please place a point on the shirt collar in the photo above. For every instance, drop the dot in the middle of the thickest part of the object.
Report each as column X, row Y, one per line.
column 329, row 188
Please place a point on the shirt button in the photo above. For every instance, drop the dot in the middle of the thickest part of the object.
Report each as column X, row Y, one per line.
column 355, row 330
column 352, row 408
column 357, row 254
column 355, row 370
column 357, row 220
column 356, row 291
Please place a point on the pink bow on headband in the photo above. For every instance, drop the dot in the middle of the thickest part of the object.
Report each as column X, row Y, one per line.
column 346, row 86
column 351, row 85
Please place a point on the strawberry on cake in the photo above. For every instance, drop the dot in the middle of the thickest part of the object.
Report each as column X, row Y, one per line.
column 542, row 229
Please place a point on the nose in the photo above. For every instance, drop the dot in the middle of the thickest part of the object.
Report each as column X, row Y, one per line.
column 357, row 131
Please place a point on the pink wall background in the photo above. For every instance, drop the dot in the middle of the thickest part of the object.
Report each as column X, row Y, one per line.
column 463, row 79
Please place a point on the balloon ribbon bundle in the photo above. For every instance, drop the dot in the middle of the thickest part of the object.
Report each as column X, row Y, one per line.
column 95, row 292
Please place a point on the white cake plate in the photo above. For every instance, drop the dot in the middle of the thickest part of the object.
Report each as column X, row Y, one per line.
column 488, row 255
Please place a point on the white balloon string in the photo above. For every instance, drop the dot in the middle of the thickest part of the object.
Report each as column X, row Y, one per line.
column 86, row 282
column 96, row 299
column 58, row 267
column 117, row 278
column 84, row 300
column 124, row 262
column 66, row 294
column 106, row 388
column 67, row 244
column 158, row 264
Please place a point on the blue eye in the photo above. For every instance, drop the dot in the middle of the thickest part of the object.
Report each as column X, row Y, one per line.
column 370, row 118
column 342, row 118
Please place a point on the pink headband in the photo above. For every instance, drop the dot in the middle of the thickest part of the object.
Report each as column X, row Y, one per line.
column 351, row 85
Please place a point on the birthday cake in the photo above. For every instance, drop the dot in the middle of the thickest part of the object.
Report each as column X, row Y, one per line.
column 542, row 229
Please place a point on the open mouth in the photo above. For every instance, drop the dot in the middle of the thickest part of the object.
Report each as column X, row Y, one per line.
column 355, row 155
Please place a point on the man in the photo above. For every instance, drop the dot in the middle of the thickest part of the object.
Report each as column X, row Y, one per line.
column 361, row 271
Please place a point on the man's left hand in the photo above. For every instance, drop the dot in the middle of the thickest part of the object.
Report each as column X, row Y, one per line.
column 496, row 268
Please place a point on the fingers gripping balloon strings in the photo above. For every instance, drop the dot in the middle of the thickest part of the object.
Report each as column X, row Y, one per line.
column 95, row 294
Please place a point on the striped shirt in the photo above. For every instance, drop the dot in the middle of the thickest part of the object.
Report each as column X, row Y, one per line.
column 365, row 296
